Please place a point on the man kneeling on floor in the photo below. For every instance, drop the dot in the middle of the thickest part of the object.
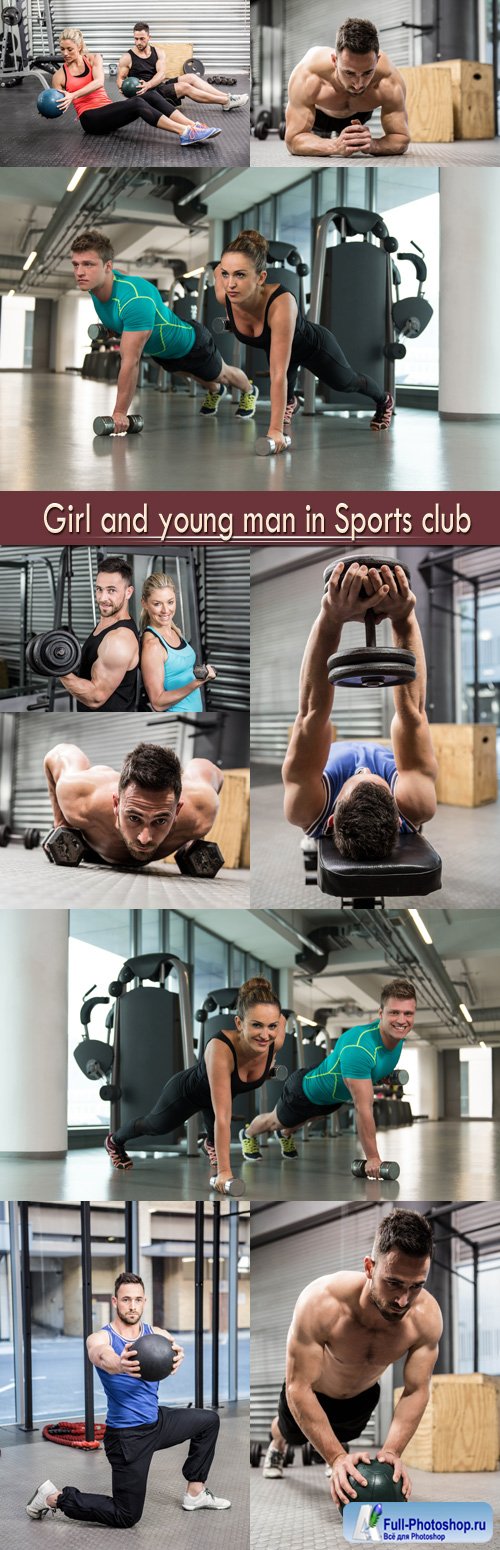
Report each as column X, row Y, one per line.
column 347, row 1328
column 136, row 1426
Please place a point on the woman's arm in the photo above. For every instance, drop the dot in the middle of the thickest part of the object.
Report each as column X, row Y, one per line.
column 153, row 658
column 97, row 68
column 282, row 322
column 219, row 1064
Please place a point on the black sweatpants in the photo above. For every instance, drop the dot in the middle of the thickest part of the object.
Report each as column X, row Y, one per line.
column 328, row 363
column 129, row 1450
column 179, row 1099
column 115, row 115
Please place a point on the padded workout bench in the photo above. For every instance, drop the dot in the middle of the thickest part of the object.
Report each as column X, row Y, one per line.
column 413, row 867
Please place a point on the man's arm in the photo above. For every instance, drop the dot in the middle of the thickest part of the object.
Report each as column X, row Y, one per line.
column 131, row 348
column 395, row 137
column 303, row 91
column 361, row 1090
column 124, row 68
column 410, row 731
column 418, row 1370
column 115, row 658
column 62, row 760
column 313, row 1325
column 100, row 1352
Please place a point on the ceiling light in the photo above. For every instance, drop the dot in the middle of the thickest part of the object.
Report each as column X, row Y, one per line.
column 418, row 922
column 30, row 260
column 465, row 1012
column 74, row 181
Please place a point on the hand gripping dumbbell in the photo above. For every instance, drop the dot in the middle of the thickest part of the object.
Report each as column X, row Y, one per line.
column 265, row 446
column 200, row 671
column 369, row 665
column 388, row 1170
column 54, row 653
column 234, row 1187
column 104, row 425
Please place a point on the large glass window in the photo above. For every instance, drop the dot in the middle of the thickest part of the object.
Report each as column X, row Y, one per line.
column 16, row 332
column 210, row 969
column 410, row 207
column 488, row 654
column 294, row 215
column 489, row 1327
column 475, row 1083
column 7, row 1379
column 99, row 943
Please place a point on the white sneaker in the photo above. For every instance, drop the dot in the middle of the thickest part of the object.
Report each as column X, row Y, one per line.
column 235, row 102
column 205, row 1498
column 309, row 845
column 273, row 1463
column 38, row 1506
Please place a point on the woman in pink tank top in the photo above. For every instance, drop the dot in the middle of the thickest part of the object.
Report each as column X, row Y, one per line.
column 81, row 80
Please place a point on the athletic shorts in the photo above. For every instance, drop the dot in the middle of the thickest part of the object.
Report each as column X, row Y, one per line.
column 294, row 1108
column 347, row 1417
column 324, row 125
column 203, row 360
column 167, row 89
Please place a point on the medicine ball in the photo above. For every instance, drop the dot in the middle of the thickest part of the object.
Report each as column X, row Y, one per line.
column 380, row 1487
column 131, row 85
column 155, row 1356
column 48, row 102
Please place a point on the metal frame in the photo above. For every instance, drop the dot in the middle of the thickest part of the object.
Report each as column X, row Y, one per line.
column 232, row 1327
column 444, row 561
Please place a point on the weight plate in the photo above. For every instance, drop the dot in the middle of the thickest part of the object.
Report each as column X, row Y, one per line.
column 56, row 652
column 194, row 67
column 371, row 666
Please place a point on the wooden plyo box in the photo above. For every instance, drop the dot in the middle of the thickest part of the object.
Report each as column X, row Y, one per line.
column 429, row 102
column 466, row 757
column 458, row 1432
column 176, row 54
column 472, row 89
column 231, row 829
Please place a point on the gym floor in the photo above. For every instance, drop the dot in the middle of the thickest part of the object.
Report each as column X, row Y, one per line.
column 460, row 1158
column 27, row 878
column 29, row 1459
column 31, row 141
column 47, row 422
column 461, row 153
column 470, row 871
column 298, row 1510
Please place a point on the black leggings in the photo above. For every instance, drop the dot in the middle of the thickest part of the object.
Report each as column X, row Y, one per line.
column 115, row 115
column 178, row 1100
column 130, row 1451
column 328, row 363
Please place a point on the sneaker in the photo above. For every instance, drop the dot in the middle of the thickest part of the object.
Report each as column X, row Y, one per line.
column 235, row 101
column 287, row 1144
column 192, row 135
column 273, row 1463
column 38, row 1507
column 308, row 845
column 212, row 400
column 250, row 1147
column 211, row 1153
column 248, row 403
column 205, row 1498
column 117, row 1153
column 292, row 408
column 383, row 414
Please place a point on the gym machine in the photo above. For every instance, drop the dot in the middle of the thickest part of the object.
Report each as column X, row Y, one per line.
column 17, row 57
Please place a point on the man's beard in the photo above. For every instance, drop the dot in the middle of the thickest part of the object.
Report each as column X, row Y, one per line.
column 109, row 610
column 136, row 857
column 391, row 1315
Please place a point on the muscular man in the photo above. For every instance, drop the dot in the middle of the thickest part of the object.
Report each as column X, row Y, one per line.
column 362, row 792
column 332, row 95
column 136, row 1426
column 147, row 61
column 359, row 1060
column 107, row 676
column 347, row 1328
column 133, row 309
column 139, row 815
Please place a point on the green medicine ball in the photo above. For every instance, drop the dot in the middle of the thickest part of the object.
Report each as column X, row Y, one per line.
column 131, row 85
column 380, row 1487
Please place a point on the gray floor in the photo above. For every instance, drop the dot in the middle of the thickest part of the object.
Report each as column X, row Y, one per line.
column 178, row 448
column 27, row 879
column 461, row 153
column 297, row 1512
column 471, row 876
column 440, row 1160
column 27, row 140
column 27, row 1463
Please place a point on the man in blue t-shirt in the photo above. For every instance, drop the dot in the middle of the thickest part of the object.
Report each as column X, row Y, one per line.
column 133, row 309
column 360, row 792
column 136, row 1427
column 359, row 1060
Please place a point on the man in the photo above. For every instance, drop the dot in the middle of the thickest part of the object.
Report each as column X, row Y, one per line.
column 136, row 1426
column 107, row 676
column 347, row 1328
column 359, row 1060
column 139, row 815
column 147, row 61
column 133, row 309
column 361, row 792
column 332, row 95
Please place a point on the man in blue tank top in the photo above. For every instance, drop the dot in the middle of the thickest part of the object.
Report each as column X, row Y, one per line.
column 106, row 679
column 359, row 1060
column 360, row 792
column 136, row 1426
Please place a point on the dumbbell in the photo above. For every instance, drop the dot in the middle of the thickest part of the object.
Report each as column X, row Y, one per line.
column 200, row 671
column 199, row 858
column 220, row 325
column 104, row 425
column 279, row 1072
column 265, row 446
column 54, row 653
column 234, row 1187
column 369, row 665
column 30, row 838
column 98, row 331
column 388, row 1170
column 64, row 847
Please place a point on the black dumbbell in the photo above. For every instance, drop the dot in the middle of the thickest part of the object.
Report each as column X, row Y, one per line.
column 200, row 671
column 255, row 1454
column 369, row 665
column 279, row 1072
column 220, row 325
column 30, row 837
column 54, row 653
column 98, row 331
column 199, row 858
column 233, row 1187
column 388, row 1170
column 104, row 425
column 265, row 446
column 65, row 847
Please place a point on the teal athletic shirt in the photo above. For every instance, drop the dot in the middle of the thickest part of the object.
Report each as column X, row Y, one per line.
column 135, row 305
column 358, row 1053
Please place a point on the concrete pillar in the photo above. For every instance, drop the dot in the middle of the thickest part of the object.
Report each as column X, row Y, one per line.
column 451, row 1083
column 469, row 323
column 34, row 978
column 495, row 1082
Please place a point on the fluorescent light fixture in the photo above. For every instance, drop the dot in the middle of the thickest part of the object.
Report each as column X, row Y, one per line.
column 482, row 1044
column 30, row 260
column 11, row 293
column 465, row 1012
column 307, row 1022
column 74, row 181
column 418, row 922
column 187, row 1259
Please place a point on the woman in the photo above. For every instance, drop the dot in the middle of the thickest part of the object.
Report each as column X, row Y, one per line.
column 167, row 660
column 233, row 1062
column 268, row 318
column 81, row 79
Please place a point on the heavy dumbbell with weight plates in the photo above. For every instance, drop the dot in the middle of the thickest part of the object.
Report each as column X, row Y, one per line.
column 54, row 653
column 104, row 425
column 199, row 858
column 65, row 847
column 388, row 1170
column 30, row 838
column 369, row 665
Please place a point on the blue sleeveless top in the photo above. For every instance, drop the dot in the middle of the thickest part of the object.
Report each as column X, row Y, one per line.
column 179, row 665
column 343, row 760
column 131, row 1401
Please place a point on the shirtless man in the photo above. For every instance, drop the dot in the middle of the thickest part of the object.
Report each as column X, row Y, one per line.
column 139, row 815
column 148, row 62
column 107, row 676
column 331, row 96
column 360, row 792
column 347, row 1328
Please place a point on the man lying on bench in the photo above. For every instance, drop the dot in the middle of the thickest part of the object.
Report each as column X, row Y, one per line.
column 362, row 793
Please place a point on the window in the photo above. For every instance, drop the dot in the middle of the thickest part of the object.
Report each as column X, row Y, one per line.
column 210, row 969
column 99, row 943
column 475, row 1083
column 410, row 209
column 7, row 1380
column 489, row 656
column 489, row 1328
column 294, row 217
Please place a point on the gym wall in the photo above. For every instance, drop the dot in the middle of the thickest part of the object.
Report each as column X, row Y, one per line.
column 219, row 35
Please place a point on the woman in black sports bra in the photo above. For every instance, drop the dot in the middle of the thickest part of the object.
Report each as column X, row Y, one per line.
column 267, row 317
column 235, row 1062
